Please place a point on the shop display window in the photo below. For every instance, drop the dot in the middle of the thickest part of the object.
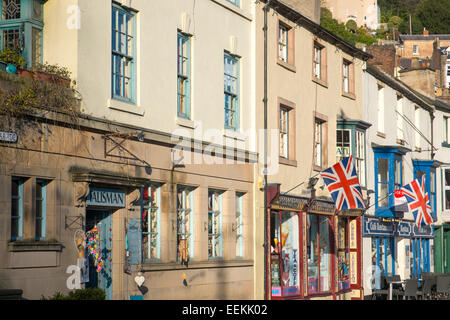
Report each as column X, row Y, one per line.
column 285, row 254
column 343, row 255
column 151, row 223
column 319, row 254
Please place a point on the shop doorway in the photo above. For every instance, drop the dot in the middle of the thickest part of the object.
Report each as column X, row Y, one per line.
column 99, row 251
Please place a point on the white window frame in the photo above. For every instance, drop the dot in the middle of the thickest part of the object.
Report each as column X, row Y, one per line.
column 239, row 225
column 399, row 114
column 445, row 188
column 380, row 113
column 215, row 234
column 185, row 210
column 154, row 222
column 284, row 132
column 360, row 156
column 318, row 142
column 317, row 61
column 283, row 32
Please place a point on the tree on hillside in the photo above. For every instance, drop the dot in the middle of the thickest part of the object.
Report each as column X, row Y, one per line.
column 434, row 15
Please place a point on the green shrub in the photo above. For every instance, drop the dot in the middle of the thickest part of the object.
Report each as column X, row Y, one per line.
column 80, row 294
column 9, row 55
column 53, row 69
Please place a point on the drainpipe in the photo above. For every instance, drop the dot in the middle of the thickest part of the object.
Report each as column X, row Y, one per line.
column 266, row 247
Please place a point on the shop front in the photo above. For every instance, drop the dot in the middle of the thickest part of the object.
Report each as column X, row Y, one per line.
column 314, row 254
column 398, row 247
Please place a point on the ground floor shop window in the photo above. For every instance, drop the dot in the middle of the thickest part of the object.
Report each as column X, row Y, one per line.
column 383, row 253
column 185, row 224
column 151, row 222
column 343, row 254
column 319, row 254
column 285, row 254
column 420, row 257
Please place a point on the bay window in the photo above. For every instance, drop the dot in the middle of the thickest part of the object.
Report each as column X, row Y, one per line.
column 21, row 28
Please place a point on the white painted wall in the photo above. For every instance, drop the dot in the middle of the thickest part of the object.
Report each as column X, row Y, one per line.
column 370, row 102
column 212, row 23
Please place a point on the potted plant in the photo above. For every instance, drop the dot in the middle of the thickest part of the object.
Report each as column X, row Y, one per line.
column 52, row 74
column 13, row 56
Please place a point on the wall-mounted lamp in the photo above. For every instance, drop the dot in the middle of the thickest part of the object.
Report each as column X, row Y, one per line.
column 312, row 182
column 140, row 136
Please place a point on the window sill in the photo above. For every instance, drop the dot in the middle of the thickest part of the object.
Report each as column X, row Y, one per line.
column 118, row 105
column 321, row 82
column 30, row 246
column 160, row 266
column 286, row 65
column 381, row 134
column 183, row 122
column 349, row 95
column 446, row 145
column 317, row 168
column 234, row 8
column 229, row 133
column 288, row 162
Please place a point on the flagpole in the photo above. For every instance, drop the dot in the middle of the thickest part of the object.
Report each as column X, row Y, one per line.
column 300, row 184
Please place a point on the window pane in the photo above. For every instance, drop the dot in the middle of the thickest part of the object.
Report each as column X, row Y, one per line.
column 39, row 228
column 11, row 9
column 290, row 253
column 313, row 253
column 447, row 177
column 14, row 228
column 447, row 199
column 383, row 170
column 11, row 39
column 15, row 188
column 383, row 199
column 325, row 254
column 37, row 46
column 37, row 10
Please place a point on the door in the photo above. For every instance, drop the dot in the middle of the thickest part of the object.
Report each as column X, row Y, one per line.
column 99, row 250
column 446, row 245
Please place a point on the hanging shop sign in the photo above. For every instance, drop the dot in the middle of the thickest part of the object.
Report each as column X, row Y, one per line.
column 285, row 202
column 106, row 198
column 350, row 213
column 376, row 227
column 322, row 207
column 10, row 137
column 395, row 228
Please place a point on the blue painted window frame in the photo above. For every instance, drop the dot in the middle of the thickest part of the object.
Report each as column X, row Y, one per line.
column 421, row 256
column 25, row 26
column 231, row 91
column 429, row 168
column 385, row 255
column 213, row 237
column 184, row 74
column 235, row 2
column 42, row 200
column 239, row 225
column 149, row 206
column 187, row 194
column 392, row 155
column 119, row 57
column 19, row 214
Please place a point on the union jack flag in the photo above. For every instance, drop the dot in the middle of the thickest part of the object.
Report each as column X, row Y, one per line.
column 418, row 202
column 343, row 184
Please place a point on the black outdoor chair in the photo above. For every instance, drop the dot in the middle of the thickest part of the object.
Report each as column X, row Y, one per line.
column 428, row 285
column 397, row 288
column 411, row 289
column 443, row 287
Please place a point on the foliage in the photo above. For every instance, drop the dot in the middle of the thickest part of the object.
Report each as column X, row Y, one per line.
column 53, row 69
column 360, row 35
column 9, row 55
column 431, row 14
column 351, row 25
column 395, row 22
column 434, row 15
column 24, row 96
column 80, row 294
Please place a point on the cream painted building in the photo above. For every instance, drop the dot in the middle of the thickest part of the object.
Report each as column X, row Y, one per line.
column 363, row 12
column 158, row 160
column 400, row 149
column 314, row 94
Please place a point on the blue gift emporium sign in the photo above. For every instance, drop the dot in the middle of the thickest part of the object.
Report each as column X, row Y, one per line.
column 106, row 198
column 376, row 227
